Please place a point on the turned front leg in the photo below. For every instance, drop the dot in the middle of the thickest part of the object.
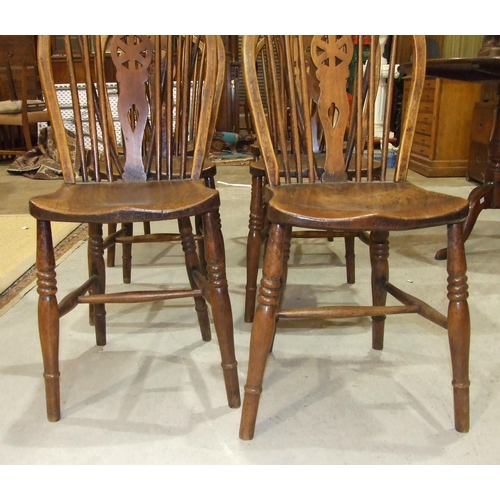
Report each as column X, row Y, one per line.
column 263, row 328
column 458, row 325
column 48, row 318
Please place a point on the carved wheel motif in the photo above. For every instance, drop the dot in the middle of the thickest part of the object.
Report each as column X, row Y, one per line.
column 131, row 53
column 331, row 53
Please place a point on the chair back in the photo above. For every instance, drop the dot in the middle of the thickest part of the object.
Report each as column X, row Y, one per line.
column 155, row 123
column 320, row 95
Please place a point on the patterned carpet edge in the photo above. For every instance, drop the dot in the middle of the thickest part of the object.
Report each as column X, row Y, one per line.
column 15, row 292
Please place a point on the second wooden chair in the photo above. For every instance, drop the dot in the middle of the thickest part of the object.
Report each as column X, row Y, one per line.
column 309, row 198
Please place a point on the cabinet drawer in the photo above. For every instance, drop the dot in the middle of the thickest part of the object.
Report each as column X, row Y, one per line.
column 426, row 107
column 421, row 149
column 428, row 95
column 482, row 123
column 430, row 83
column 424, row 118
column 424, row 128
column 422, row 139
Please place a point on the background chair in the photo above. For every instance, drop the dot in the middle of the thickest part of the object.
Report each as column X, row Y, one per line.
column 22, row 105
column 281, row 130
column 324, row 199
column 125, row 194
column 184, row 90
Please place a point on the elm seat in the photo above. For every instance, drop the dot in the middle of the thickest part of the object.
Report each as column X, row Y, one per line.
column 122, row 190
column 363, row 206
column 125, row 202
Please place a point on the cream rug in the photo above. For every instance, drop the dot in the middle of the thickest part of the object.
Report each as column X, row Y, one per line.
column 18, row 246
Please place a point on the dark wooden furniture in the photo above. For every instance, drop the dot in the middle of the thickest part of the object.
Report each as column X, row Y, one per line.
column 228, row 119
column 441, row 144
column 476, row 69
column 103, row 198
column 483, row 117
column 480, row 132
column 60, row 64
column 21, row 90
column 329, row 201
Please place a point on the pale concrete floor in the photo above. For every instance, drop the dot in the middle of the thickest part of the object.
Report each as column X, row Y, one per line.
column 154, row 394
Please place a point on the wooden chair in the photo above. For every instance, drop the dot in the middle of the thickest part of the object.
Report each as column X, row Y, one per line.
column 24, row 106
column 100, row 200
column 258, row 228
column 327, row 200
column 185, row 93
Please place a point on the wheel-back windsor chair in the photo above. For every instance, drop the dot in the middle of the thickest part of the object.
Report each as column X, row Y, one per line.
column 310, row 198
column 124, row 194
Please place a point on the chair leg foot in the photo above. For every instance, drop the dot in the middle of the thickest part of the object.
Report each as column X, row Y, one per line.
column 52, row 397
column 249, row 413
column 230, row 372
column 378, row 327
column 462, row 407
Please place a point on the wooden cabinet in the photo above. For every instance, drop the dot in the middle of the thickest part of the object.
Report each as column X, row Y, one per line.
column 442, row 139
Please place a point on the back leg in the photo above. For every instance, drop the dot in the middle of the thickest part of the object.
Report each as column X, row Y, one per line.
column 221, row 305
column 193, row 264
column 379, row 255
